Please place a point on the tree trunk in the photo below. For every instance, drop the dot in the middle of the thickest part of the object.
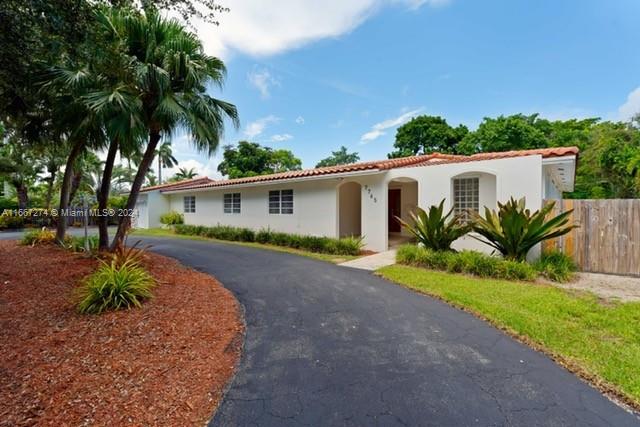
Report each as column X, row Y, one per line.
column 125, row 221
column 159, row 169
column 61, row 227
column 22, row 191
column 50, row 181
column 75, row 184
column 103, row 195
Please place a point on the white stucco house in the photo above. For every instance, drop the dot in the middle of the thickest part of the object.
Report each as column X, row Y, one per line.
column 362, row 199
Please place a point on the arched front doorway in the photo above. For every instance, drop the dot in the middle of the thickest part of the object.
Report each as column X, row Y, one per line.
column 402, row 199
column 349, row 209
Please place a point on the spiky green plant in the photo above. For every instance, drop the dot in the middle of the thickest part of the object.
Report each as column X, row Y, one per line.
column 513, row 230
column 114, row 287
column 118, row 284
column 434, row 229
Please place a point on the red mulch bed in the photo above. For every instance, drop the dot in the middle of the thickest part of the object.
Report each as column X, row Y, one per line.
column 164, row 364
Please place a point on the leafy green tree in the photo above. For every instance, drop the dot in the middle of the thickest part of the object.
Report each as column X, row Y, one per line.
column 52, row 159
column 340, row 157
column 283, row 160
column 251, row 159
column 19, row 166
column 517, row 132
column 426, row 135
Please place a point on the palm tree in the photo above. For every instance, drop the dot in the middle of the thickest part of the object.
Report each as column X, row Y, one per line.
column 165, row 158
column 171, row 73
column 86, row 175
column 184, row 173
column 81, row 127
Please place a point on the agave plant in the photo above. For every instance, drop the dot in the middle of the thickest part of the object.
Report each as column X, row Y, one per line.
column 514, row 230
column 434, row 229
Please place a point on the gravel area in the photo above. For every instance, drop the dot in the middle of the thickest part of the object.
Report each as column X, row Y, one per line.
column 608, row 286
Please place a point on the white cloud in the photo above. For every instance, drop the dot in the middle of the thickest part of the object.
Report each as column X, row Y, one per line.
column 255, row 128
column 260, row 28
column 631, row 107
column 281, row 137
column 300, row 120
column 380, row 128
column 263, row 81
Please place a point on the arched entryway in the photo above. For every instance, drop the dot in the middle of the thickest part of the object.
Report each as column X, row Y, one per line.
column 402, row 199
column 349, row 209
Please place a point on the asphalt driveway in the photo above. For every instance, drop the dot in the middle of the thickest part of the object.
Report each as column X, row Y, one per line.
column 333, row 346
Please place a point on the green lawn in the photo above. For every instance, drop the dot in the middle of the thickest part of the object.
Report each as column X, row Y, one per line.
column 160, row 232
column 593, row 338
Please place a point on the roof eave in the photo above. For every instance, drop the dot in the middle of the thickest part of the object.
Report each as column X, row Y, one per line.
column 277, row 181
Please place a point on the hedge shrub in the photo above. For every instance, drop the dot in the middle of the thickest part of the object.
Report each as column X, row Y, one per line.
column 469, row 262
column 328, row 245
column 172, row 218
column 556, row 266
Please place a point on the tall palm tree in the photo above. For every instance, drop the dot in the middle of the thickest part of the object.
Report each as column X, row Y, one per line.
column 165, row 158
column 81, row 128
column 171, row 76
column 184, row 173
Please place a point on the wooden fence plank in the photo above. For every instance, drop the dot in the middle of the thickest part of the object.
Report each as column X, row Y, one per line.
column 608, row 237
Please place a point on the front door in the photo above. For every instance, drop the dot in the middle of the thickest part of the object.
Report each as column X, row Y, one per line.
column 394, row 210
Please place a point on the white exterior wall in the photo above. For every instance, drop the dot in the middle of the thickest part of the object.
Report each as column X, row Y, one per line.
column 316, row 201
column 500, row 179
column 349, row 209
column 314, row 208
column 141, row 219
column 149, row 207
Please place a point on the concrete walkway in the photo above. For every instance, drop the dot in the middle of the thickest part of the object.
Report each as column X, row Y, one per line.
column 372, row 262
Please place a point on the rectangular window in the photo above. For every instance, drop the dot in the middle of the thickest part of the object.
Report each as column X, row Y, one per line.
column 189, row 204
column 281, row 202
column 466, row 196
column 232, row 203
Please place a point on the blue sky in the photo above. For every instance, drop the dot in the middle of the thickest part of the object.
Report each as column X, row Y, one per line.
column 311, row 76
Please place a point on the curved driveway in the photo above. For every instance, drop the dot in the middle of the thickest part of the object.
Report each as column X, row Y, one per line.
column 333, row 346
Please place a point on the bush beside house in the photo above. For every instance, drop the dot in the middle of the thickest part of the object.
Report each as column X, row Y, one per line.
column 512, row 230
column 327, row 245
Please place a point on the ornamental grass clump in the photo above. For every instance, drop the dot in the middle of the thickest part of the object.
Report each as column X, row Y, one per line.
column 38, row 237
column 120, row 283
column 556, row 266
column 80, row 244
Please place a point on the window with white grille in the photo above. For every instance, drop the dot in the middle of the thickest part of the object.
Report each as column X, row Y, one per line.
column 281, row 202
column 232, row 203
column 189, row 204
column 466, row 196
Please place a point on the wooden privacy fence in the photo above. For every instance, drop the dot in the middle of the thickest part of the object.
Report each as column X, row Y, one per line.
column 608, row 237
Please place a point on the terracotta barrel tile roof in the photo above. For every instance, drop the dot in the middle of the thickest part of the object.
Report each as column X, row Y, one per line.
column 179, row 184
column 544, row 152
column 379, row 165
